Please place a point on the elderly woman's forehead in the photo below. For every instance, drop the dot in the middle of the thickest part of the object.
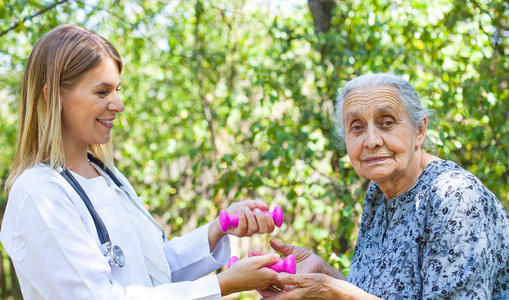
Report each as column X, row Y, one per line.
column 379, row 98
column 369, row 94
column 374, row 90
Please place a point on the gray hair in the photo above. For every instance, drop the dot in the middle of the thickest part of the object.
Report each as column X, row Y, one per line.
column 408, row 96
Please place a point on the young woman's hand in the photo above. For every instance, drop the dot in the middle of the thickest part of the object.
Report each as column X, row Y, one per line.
column 248, row 274
column 251, row 218
column 251, row 221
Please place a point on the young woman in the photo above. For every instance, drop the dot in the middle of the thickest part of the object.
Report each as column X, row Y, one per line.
column 74, row 227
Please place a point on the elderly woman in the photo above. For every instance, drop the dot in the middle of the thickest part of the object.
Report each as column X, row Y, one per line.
column 429, row 229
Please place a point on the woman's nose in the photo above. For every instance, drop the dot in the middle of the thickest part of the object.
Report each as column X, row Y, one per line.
column 116, row 103
column 373, row 138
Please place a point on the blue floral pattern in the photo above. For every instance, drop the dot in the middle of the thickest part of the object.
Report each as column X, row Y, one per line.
column 447, row 237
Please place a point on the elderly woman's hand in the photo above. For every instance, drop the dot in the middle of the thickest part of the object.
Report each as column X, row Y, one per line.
column 317, row 286
column 307, row 262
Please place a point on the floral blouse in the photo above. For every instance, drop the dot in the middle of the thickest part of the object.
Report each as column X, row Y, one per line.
column 447, row 237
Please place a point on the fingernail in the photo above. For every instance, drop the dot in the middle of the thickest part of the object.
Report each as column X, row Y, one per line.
column 277, row 255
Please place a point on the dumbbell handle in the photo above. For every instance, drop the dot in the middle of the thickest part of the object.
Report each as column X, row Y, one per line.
column 287, row 265
column 226, row 220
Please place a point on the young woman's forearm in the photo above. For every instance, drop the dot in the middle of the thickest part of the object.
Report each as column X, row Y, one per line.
column 215, row 234
column 227, row 284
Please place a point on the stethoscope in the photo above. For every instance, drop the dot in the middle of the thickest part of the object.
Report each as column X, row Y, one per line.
column 113, row 253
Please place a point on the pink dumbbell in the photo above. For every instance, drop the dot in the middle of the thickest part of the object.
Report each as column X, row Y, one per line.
column 287, row 265
column 226, row 220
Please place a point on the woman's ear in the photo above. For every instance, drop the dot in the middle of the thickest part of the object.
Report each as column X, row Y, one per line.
column 421, row 132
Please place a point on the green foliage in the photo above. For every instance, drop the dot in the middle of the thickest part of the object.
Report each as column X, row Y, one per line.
column 226, row 100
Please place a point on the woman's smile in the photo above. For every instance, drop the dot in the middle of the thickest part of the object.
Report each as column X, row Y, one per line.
column 106, row 122
column 374, row 159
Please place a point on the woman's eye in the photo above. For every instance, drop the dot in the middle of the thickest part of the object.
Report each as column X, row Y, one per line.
column 355, row 126
column 118, row 89
column 387, row 122
column 103, row 93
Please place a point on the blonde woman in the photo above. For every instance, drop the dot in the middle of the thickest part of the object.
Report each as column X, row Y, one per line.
column 74, row 226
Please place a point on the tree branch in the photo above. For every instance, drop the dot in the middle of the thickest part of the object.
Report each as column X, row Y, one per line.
column 31, row 17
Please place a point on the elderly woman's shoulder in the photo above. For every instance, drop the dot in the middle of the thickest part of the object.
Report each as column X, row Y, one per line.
column 448, row 176
column 449, row 185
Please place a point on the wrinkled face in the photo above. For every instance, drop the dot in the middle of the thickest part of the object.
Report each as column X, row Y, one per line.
column 380, row 138
column 89, row 108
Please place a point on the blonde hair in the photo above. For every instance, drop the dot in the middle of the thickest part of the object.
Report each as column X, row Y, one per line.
column 58, row 61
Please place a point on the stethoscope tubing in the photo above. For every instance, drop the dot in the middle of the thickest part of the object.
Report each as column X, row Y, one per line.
column 113, row 253
column 102, row 232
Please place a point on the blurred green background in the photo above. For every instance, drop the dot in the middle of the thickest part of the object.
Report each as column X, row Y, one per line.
column 229, row 100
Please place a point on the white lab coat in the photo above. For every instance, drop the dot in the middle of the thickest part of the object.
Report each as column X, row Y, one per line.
column 52, row 240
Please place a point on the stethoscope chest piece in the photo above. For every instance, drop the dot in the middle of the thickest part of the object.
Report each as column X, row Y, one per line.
column 114, row 254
